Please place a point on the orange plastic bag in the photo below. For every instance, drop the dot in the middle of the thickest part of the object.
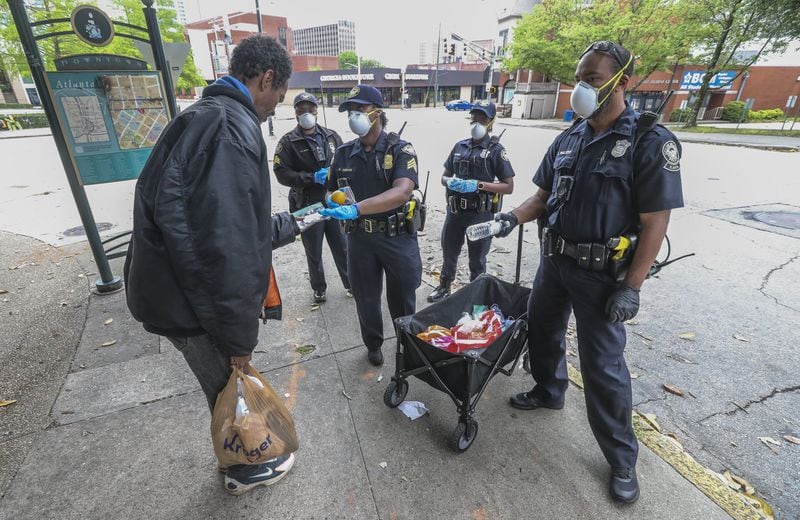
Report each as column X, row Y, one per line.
column 251, row 425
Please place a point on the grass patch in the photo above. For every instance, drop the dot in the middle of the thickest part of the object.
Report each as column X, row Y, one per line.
column 740, row 131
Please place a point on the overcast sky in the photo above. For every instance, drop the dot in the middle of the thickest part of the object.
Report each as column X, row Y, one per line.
column 386, row 30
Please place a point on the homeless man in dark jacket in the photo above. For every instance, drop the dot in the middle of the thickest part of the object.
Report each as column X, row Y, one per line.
column 199, row 259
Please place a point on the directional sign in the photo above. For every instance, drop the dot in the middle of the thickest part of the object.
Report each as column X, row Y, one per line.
column 692, row 79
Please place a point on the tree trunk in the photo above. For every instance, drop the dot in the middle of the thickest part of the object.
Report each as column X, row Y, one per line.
column 712, row 66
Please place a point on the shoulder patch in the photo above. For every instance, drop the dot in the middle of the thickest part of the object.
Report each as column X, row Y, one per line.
column 671, row 155
column 408, row 149
column 279, row 148
column 504, row 155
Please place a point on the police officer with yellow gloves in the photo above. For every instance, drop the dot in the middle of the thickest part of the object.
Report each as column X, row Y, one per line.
column 301, row 162
column 381, row 171
column 609, row 176
column 473, row 196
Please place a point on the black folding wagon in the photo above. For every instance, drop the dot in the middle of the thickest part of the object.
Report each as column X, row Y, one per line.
column 465, row 375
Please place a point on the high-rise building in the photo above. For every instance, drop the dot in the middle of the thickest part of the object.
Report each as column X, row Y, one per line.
column 325, row 40
column 180, row 10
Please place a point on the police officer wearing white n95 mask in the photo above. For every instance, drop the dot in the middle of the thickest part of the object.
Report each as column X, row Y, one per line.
column 607, row 186
column 381, row 171
column 477, row 173
column 301, row 162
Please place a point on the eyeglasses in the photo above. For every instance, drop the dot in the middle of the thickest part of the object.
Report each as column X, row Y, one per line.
column 607, row 47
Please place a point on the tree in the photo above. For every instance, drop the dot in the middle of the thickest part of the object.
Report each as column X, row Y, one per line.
column 67, row 45
column 349, row 60
column 550, row 39
column 765, row 26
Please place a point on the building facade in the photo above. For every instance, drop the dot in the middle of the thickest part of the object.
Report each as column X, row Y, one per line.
column 325, row 40
column 333, row 86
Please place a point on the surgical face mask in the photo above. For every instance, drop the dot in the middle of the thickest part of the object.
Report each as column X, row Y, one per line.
column 584, row 98
column 360, row 123
column 477, row 131
column 307, row 120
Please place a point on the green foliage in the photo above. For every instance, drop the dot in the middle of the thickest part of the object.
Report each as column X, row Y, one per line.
column 770, row 114
column 729, row 26
column 38, row 120
column 732, row 111
column 67, row 45
column 551, row 38
column 679, row 114
column 349, row 60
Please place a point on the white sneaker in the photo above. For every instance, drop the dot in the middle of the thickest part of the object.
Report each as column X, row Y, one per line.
column 242, row 478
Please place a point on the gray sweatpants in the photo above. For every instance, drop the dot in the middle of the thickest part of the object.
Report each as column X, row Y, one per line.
column 210, row 366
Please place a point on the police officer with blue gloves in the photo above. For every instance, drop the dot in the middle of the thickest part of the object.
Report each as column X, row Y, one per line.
column 301, row 162
column 477, row 173
column 381, row 171
column 606, row 184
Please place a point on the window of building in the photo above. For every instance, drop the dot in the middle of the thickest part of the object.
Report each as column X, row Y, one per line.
column 282, row 35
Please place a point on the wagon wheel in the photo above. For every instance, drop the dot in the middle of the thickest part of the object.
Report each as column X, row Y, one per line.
column 462, row 437
column 395, row 393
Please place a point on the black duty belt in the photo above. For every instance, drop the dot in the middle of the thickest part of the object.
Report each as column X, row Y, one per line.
column 391, row 225
column 590, row 255
column 482, row 203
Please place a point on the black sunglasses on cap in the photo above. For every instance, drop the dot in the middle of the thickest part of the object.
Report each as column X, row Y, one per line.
column 607, row 47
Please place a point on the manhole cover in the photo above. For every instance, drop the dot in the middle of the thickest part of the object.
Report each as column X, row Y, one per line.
column 79, row 231
column 782, row 219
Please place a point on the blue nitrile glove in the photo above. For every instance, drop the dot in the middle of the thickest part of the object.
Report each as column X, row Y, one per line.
column 452, row 183
column 330, row 203
column 341, row 212
column 469, row 186
column 321, row 175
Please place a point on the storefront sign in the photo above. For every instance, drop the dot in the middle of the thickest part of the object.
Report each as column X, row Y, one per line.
column 347, row 77
column 692, row 79
column 409, row 77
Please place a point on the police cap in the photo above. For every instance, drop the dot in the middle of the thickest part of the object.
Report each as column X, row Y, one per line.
column 485, row 106
column 362, row 95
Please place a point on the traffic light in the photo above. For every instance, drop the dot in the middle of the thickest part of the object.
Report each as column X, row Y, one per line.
column 444, row 45
column 452, row 49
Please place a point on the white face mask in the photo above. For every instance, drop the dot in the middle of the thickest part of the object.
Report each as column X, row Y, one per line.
column 307, row 120
column 359, row 122
column 584, row 99
column 477, row 131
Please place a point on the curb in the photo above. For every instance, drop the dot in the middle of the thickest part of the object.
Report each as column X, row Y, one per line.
column 739, row 505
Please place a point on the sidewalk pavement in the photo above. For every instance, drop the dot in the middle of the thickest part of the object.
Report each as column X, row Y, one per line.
column 763, row 142
column 123, row 430
column 25, row 132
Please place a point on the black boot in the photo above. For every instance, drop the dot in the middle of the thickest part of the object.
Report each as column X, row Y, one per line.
column 624, row 486
column 375, row 357
column 441, row 292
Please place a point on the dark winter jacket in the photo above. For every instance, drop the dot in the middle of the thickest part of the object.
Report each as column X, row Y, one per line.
column 295, row 162
column 203, row 234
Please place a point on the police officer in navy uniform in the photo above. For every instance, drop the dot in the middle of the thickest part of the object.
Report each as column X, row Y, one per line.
column 476, row 173
column 301, row 161
column 381, row 170
column 603, row 181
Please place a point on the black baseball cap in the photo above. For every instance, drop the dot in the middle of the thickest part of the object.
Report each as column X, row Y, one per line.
column 305, row 97
column 362, row 95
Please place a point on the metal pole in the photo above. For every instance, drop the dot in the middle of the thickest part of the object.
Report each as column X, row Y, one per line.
column 436, row 73
column 107, row 282
column 258, row 15
column 158, row 55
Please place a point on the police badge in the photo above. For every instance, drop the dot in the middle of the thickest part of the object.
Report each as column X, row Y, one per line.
column 620, row 148
column 353, row 92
